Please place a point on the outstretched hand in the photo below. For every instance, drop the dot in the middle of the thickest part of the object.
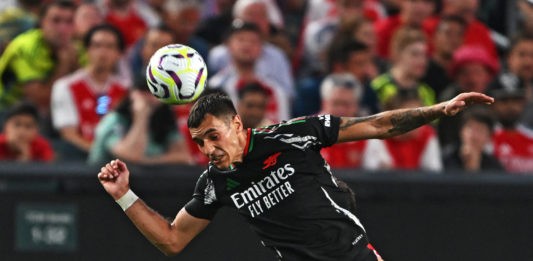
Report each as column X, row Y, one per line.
column 114, row 177
column 464, row 100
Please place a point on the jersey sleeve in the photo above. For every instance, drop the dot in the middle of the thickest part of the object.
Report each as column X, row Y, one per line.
column 312, row 131
column 64, row 111
column 204, row 203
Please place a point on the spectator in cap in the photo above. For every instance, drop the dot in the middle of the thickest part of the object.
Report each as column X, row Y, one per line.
column 20, row 139
column 340, row 95
column 473, row 152
column 513, row 142
column 519, row 73
column 472, row 69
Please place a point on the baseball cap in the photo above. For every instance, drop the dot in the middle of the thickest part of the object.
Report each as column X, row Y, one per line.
column 507, row 87
column 473, row 54
column 239, row 25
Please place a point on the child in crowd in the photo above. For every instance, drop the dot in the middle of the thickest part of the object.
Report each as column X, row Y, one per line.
column 20, row 140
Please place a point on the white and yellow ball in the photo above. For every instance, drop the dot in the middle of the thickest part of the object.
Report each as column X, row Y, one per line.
column 176, row 74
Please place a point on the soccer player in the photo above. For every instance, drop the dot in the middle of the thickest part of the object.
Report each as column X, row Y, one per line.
column 275, row 178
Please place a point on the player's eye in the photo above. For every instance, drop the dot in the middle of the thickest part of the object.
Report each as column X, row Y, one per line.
column 199, row 142
column 213, row 137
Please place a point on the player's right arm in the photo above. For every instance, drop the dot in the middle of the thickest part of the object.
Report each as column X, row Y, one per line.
column 170, row 238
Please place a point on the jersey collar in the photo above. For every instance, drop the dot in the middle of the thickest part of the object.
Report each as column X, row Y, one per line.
column 249, row 142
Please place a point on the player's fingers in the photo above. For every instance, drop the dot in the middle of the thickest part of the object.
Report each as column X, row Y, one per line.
column 111, row 170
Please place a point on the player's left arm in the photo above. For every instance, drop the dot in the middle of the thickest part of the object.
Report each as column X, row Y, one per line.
column 391, row 123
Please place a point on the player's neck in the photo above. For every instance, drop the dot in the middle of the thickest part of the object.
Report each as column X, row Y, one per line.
column 242, row 146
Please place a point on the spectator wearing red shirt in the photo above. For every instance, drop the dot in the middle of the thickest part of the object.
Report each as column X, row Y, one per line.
column 80, row 100
column 476, row 33
column 413, row 13
column 415, row 150
column 513, row 142
column 340, row 94
column 21, row 140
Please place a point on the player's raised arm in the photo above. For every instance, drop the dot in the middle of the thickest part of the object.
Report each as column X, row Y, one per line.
column 395, row 122
column 170, row 238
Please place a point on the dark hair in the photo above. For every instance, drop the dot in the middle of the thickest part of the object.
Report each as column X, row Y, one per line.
column 340, row 52
column 162, row 120
column 217, row 104
column 521, row 37
column 108, row 28
column 22, row 108
column 253, row 87
column 453, row 19
column 479, row 114
column 239, row 25
column 64, row 4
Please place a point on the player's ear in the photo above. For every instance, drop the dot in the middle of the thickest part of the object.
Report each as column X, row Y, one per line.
column 237, row 122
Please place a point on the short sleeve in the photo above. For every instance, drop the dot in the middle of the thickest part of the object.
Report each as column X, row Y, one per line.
column 312, row 131
column 64, row 111
column 204, row 203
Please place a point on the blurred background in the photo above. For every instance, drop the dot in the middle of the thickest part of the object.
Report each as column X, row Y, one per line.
column 73, row 96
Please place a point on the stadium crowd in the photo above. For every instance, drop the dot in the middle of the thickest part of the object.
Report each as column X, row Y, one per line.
column 72, row 84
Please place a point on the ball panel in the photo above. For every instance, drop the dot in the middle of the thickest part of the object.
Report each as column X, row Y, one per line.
column 176, row 74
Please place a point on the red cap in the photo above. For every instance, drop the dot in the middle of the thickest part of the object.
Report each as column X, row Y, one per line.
column 473, row 54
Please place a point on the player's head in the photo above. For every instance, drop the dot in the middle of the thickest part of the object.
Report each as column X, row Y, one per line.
column 216, row 128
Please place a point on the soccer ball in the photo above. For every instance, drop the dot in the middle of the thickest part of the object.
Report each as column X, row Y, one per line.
column 176, row 74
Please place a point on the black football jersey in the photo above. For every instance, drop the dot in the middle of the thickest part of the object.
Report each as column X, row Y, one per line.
column 286, row 192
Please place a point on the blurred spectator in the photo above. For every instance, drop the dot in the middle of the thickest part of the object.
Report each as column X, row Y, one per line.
column 525, row 8
column 245, row 47
column 472, row 70
column 20, row 140
column 80, row 100
column 318, row 35
column 155, row 38
column 183, row 18
column 513, row 142
column 409, row 63
column 355, row 58
column 361, row 30
column 473, row 151
column 212, row 29
column 36, row 58
column 340, row 95
column 272, row 63
column 476, row 33
column 412, row 13
column 448, row 38
column 151, row 11
column 252, row 105
column 86, row 17
column 416, row 150
column 124, row 15
column 16, row 20
column 519, row 73
column 141, row 130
